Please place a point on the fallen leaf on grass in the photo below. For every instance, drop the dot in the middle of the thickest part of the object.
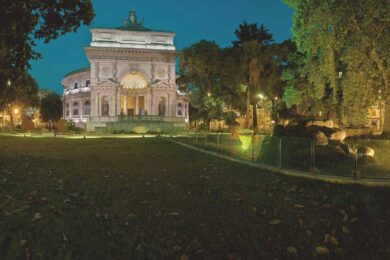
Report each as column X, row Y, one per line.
column 346, row 230
column 322, row 250
column 353, row 220
column 183, row 257
column 274, row 222
column 345, row 218
column 292, row 250
column 333, row 241
column 339, row 251
column 176, row 248
column 38, row 216
column 299, row 206
column 174, row 214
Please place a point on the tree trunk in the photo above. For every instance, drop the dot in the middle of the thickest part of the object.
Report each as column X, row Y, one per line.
column 254, row 114
column 248, row 108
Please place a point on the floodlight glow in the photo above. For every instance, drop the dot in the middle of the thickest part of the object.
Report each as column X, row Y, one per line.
column 246, row 141
column 261, row 96
column 16, row 111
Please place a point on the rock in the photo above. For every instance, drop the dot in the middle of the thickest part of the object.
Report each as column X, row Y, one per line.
column 278, row 130
column 365, row 151
column 316, row 123
column 329, row 123
column 343, row 148
column 320, row 138
column 338, row 135
column 365, row 159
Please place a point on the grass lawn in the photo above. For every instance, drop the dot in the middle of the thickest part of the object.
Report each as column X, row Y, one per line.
column 151, row 199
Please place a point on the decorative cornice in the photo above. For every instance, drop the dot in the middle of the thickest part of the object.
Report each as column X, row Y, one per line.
column 125, row 53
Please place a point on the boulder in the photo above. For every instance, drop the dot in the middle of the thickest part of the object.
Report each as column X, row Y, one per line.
column 320, row 138
column 316, row 123
column 278, row 130
column 366, row 160
column 329, row 123
column 343, row 148
column 338, row 135
column 365, row 151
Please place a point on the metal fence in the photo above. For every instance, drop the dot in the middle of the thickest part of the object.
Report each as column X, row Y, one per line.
column 348, row 159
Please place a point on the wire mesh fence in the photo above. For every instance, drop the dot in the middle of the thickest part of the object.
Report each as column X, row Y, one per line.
column 353, row 158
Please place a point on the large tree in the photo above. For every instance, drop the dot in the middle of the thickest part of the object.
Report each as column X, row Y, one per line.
column 345, row 47
column 252, row 42
column 200, row 66
column 51, row 108
column 21, row 94
column 23, row 22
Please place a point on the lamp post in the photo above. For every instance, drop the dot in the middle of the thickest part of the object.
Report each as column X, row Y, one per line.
column 380, row 110
column 254, row 114
column 14, row 114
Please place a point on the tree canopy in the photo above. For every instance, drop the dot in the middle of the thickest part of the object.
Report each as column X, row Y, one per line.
column 51, row 108
column 23, row 22
column 345, row 47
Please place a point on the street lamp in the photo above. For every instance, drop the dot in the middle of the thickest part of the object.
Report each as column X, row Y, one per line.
column 9, row 83
column 380, row 109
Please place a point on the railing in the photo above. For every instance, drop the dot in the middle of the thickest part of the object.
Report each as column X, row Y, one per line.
column 350, row 159
column 105, row 119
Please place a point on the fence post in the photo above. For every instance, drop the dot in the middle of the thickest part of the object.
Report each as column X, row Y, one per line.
column 280, row 152
column 312, row 153
column 356, row 167
column 218, row 141
column 253, row 146
column 196, row 137
column 205, row 140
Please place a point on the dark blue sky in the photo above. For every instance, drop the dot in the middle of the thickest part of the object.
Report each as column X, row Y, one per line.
column 191, row 20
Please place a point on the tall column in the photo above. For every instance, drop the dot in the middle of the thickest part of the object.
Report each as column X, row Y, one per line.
column 125, row 105
column 136, row 106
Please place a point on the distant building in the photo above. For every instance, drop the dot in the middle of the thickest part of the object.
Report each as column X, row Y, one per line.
column 132, row 73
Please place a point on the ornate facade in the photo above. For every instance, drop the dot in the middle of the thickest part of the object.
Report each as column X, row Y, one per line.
column 132, row 73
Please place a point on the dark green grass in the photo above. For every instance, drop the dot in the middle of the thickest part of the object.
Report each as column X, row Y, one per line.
column 151, row 199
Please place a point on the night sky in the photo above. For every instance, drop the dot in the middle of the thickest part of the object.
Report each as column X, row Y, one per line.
column 191, row 20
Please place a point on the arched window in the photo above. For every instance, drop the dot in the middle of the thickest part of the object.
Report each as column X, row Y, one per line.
column 179, row 109
column 75, row 85
column 67, row 109
column 105, row 107
column 87, row 83
column 75, row 109
column 162, row 106
column 87, row 108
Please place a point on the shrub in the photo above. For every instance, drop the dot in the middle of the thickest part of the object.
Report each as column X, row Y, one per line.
column 141, row 130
